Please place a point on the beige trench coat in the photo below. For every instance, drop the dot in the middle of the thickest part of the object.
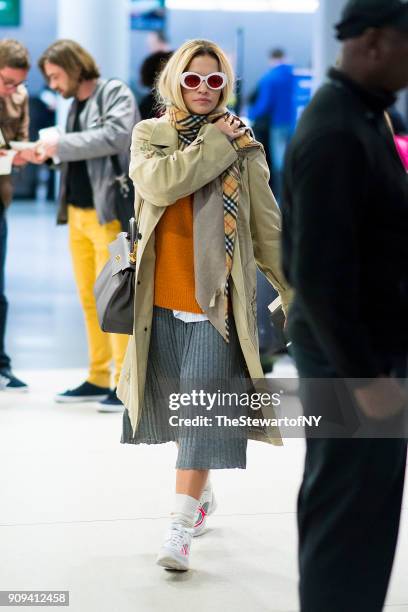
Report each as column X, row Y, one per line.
column 162, row 175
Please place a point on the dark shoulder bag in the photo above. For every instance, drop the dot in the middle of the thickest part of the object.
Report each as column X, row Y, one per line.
column 115, row 286
column 124, row 190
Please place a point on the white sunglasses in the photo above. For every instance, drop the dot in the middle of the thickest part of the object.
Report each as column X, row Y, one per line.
column 215, row 80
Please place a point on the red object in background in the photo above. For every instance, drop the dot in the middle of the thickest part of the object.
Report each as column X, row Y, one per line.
column 402, row 146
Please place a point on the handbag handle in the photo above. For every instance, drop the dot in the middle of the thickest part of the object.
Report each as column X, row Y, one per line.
column 134, row 235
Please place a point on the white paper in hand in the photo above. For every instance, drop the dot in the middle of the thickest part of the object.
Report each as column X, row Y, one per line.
column 6, row 161
column 51, row 135
column 2, row 140
column 22, row 145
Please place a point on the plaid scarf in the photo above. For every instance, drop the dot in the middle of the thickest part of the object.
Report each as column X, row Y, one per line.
column 188, row 127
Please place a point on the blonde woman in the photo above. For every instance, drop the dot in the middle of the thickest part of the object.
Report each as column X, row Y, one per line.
column 206, row 218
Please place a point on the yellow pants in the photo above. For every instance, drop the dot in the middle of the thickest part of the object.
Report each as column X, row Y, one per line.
column 89, row 249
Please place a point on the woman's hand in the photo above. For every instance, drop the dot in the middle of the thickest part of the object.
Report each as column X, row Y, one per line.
column 31, row 155
column 18, row 160
column 28, row 155
column 40, row 153
column 230, row 126
column 44, row 150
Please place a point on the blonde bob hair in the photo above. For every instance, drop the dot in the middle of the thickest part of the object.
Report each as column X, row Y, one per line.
column 169, row 86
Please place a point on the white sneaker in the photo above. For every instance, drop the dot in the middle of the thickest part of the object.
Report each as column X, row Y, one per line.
column 175, row 552
column 207, row 505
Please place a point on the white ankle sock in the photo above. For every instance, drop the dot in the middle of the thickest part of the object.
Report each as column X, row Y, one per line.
column 184, row 510
column 208, row 486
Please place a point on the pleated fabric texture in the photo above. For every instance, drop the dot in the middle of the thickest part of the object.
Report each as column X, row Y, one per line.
column 187, row 357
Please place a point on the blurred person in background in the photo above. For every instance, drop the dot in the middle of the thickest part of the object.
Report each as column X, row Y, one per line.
column 398, row 122
column 157, row 41
column 149, row 72
column 207, row 216
column 275, row 101
column 14, row 125
column 99, row 126
column 345, row 252
column 261, row 125
column 266, row 293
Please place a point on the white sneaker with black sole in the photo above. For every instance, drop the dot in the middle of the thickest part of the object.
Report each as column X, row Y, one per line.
column 207, row 506
column 175, row 552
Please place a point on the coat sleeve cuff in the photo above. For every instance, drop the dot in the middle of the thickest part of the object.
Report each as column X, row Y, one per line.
column 286, row 297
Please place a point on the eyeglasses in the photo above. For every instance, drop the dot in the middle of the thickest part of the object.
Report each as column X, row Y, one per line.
column 215, row 80
column 10, row 84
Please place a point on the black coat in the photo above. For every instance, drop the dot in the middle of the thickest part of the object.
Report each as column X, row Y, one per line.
column 345, row 230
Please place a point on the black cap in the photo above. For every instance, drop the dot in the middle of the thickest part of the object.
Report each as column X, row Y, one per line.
column 358, row 15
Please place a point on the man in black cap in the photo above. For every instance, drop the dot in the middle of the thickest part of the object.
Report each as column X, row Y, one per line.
column 345, row 251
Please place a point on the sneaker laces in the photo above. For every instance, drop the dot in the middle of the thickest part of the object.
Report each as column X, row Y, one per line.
column 176, row 537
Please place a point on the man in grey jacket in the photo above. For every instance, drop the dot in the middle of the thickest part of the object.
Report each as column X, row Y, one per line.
column 99, row 126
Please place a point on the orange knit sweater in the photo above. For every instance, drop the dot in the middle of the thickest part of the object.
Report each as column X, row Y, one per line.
column 174, row 284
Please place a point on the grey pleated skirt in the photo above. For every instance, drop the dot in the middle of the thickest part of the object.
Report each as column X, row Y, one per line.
column 193, row 359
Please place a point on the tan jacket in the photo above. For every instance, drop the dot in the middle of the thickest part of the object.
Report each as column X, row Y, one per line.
column 14, row 124
column 162, row 175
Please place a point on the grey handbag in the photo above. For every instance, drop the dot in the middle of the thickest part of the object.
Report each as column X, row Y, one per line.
column 115, row 286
